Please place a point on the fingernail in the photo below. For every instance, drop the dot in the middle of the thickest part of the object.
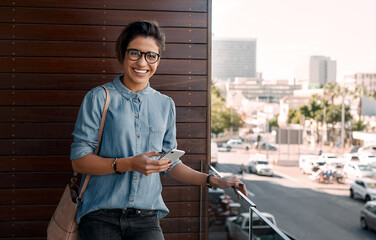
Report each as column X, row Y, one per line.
column 241, row 184
column 160, row 152
column 169, row 161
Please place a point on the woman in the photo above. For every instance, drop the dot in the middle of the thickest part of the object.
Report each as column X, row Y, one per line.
column 123, row 199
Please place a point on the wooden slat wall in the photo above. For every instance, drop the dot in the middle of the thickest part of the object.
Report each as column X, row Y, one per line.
column 51, row 53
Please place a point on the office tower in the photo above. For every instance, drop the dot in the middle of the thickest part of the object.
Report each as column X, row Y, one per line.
column 316, row 71
column 233, row 58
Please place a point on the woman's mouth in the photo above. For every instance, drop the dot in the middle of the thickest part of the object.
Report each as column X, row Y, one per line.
column 142, row 71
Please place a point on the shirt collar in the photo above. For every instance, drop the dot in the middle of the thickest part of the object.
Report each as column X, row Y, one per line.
column 127, row 93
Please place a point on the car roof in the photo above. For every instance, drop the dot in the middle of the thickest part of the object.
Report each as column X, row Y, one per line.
column 367, row 180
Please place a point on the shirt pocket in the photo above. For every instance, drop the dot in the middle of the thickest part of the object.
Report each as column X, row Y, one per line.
column 156, row 139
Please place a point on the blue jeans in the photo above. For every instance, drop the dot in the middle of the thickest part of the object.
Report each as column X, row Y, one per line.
column 120, row 224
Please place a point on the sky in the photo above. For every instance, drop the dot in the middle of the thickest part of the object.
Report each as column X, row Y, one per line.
column 289, row 31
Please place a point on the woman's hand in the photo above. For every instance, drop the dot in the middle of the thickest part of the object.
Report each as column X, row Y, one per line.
column 227, row 182
column 143, row 163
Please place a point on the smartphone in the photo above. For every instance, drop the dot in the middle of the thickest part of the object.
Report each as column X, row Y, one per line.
column 173, row 155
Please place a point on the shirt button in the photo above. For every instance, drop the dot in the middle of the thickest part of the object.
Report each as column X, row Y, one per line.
column 132, row 199
column 135, row 178
column 138, row 135
column 135, row 95
column 136, row 116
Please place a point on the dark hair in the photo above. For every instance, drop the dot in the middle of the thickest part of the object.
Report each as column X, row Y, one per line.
column 135, row 29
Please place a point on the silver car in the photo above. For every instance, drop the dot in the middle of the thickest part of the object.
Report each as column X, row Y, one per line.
column 368, row 216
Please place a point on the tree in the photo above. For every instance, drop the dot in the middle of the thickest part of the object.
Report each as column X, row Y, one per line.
column 222, row 117
column 332, row 90
column 274, row 121
column 358, row 94
column 358, row 126
column 294, row 116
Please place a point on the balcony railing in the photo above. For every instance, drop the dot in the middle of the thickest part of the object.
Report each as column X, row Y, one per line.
column 255, row 225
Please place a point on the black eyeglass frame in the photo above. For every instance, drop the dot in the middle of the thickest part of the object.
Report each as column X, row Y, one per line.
column 142, row 53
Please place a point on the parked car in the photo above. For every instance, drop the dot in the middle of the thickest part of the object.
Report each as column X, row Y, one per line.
column 328, row 157
column 308, row 162
column 364, row 189
column 236, row 143
column 367, row 157
column 266, row 146
column 354, row 149
column 347, row 157
column 238, row 226
column 368, row 148
column 356, row 169
column 260, row 165
column 213, row 153
column 368, row 216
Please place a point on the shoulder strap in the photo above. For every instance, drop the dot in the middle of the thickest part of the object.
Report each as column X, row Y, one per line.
column 103, row 119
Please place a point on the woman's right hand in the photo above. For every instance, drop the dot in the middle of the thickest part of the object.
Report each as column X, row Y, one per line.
column 143, row 163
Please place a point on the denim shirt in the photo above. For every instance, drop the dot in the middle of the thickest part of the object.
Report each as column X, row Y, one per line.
column 135, row 123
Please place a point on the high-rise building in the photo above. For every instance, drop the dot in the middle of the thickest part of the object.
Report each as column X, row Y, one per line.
column 233, row 58
column 316, row 71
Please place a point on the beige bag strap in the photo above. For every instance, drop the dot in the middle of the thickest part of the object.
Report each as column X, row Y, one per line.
column 99, row 139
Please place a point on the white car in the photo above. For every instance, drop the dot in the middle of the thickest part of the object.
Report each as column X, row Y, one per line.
column 236, row 143
column 328, row 157
column 364, row 189
column 213, row 153
column 238, row 226
column 367, row 157
column 308, row 162
column 260, row 165
column 355, row 169
column 368, row 148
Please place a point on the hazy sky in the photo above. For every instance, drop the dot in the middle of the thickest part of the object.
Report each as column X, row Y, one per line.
column 289, row 30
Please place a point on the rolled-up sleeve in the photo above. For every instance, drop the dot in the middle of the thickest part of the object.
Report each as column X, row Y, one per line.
column 86, row 129
column 169, row 140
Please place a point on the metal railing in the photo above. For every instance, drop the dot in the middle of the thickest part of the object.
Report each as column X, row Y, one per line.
column 260, row 227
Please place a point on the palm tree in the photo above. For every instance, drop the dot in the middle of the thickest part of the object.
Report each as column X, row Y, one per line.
column 331, row 91
column 358, row 94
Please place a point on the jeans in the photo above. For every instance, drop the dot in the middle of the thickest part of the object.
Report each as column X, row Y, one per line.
column 120, row 224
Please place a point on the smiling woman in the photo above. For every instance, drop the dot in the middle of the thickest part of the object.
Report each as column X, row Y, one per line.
column 140, row 126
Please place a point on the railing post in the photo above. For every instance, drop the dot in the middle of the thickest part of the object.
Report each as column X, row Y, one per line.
column 250, row 223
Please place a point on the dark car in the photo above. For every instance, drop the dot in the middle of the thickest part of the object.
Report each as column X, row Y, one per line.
column 368, row 216
column 354, row 149
column 266, row 146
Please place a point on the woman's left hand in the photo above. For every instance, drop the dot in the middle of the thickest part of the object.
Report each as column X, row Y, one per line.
column 227, row 182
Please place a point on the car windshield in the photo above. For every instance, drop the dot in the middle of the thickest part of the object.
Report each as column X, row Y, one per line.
column 364, row 168
column 371, row 185
column 262, row 162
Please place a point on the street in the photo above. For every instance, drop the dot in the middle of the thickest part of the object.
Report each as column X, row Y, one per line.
column 307, row 210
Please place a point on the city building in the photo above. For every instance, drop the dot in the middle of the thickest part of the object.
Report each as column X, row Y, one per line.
column 315, row 72
column 260, row 90
column 233, row 58
column 366, row 80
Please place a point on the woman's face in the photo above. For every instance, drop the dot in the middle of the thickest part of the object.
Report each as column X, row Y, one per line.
column 137, row 73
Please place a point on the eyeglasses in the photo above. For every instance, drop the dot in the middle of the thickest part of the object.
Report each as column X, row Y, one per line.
column 150, row 57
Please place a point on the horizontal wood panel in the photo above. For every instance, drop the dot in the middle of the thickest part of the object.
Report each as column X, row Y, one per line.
column 62, row 146
column 91, row 33
column 100, row 17
column 52, row 195
column 90, row 49
column 18, row 114
column 63, row 163
column 54, row 180
column 38, row 228
column 74, row 98
column 94, row 65
column 166, row 5
column 44, row 212
column 86, row 82
column 64, row 130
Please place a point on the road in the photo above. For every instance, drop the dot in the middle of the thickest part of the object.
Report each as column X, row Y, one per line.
column 303, row 208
